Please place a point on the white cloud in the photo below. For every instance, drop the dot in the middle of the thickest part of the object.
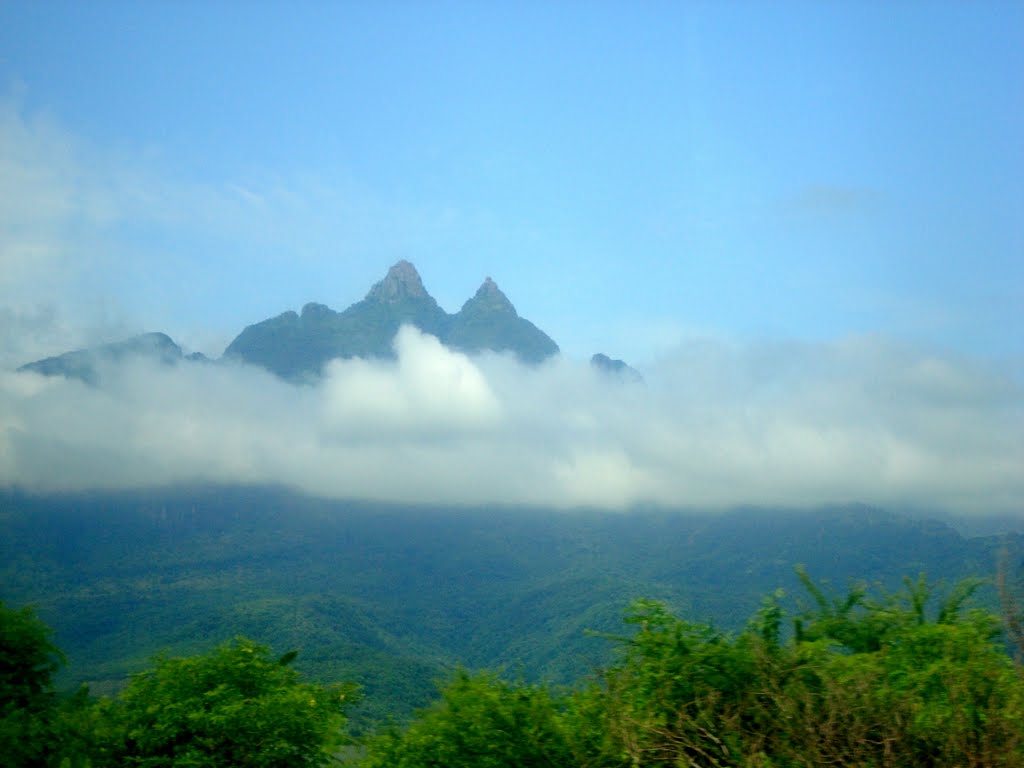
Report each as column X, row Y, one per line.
column 42, row 201
column 719, row 423
column 428, row 388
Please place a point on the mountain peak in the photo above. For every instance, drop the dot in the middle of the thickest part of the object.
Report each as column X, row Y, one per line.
column 296, row 347
column 488, row 321
column 401, row 282
column 489, row 297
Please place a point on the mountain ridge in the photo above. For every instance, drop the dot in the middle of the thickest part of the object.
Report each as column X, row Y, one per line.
column 82, row 363
column 297, row 345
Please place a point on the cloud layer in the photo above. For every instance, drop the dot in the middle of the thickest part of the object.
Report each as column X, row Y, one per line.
column 718, row 423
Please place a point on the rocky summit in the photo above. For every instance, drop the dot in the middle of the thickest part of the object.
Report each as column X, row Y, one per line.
column 297, row 346
column 401, row 282
column 488, row 321
column 489, row 298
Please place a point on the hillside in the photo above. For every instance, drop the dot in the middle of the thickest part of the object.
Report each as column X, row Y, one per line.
column 392, row 596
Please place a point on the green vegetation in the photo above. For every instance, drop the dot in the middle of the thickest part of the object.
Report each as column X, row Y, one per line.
column 396, row 597
column 28, row 705
column 914, row 677
column 236, row 706
column 480, row 721
column 861, row 681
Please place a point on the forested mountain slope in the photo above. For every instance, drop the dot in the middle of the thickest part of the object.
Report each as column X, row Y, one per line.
column 392, row 596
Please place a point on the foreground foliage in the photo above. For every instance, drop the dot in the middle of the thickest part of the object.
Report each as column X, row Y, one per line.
column 234, row 707
column 28, row 705
column 881, row 687
column 890, row 680
column 860, row 681
column 481, row 721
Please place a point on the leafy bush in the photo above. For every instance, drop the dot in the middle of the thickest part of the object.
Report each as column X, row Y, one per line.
column 896, row 680
column 480, row 722
column 886, row 680
column 862, row 682
column 236, row 706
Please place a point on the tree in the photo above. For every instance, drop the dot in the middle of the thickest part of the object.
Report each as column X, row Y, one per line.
column 236, row 706
column 28, row 661
column 864, row 680
column 481, row 721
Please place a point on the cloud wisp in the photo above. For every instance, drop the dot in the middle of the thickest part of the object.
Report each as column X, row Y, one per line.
column 718, row 424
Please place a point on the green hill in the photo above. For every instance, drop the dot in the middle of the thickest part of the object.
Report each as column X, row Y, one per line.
column 393, row 596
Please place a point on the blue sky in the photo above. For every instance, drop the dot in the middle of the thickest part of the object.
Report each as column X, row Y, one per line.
column 630, row 174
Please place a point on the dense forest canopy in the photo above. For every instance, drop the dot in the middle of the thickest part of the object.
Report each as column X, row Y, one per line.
column 908, row 678
column 394, row 597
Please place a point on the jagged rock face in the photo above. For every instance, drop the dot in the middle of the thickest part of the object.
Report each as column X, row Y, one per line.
column 401, row 282
column 488, row 298
column 297, row 347
column 489, row 322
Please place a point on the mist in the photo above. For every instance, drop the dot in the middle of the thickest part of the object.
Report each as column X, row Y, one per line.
column 717, row 423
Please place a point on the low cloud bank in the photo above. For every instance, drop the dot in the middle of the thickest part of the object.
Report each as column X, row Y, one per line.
column 718, row 423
